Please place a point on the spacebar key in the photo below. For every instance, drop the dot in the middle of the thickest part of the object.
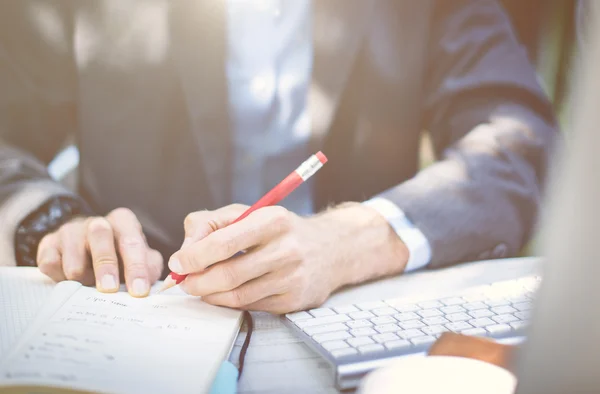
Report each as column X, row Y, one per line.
column 322, row 320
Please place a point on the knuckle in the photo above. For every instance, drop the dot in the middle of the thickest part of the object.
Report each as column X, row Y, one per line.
column 238, row 207
column 237, row 298
column 225, row 244
column 104, row 260
column 189, row 261
column 68, row 227
column 281, row 218
column 75, row 272
column 122, row 213
column 293, row 249
column 98, row 225
column 132, row 241
column 190, row 219
column 229, row 276
column 137, row 270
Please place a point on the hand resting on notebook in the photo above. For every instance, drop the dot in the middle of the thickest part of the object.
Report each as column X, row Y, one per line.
column 291, row 262
column 99, row 250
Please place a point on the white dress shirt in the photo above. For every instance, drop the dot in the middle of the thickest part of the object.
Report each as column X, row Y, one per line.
column 269, row 65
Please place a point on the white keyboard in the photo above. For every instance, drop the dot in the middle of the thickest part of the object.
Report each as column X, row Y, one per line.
column 367, row 331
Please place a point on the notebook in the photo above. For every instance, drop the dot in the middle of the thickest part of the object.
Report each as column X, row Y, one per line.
column 23, row 291
column 86, row 341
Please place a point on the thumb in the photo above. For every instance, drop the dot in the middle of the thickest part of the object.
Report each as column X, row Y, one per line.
column 198, row 225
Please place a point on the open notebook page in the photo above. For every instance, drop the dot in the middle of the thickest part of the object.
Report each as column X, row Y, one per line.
column 115, row 343
column 23, row 290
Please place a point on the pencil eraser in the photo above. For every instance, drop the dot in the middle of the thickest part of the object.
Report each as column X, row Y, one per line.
column 322, row 158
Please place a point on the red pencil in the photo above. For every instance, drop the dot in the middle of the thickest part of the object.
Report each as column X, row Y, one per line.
column 274, row 196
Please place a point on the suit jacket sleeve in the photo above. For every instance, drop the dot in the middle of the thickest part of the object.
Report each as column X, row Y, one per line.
column 36, row 114
column 493, row 132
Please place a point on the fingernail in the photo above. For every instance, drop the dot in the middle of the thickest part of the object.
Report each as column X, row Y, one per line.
column 175, row 265
column 140, row 287
column 108, row 282
column 186, row 242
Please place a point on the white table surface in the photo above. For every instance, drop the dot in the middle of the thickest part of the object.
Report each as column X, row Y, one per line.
column 278, row 362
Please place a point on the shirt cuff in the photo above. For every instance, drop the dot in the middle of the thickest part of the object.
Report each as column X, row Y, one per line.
column 419, row 250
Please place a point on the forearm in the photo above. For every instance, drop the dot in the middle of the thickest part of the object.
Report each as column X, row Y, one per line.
column 481, row 200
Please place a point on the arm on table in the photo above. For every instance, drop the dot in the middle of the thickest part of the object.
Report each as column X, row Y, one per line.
column 493, row 130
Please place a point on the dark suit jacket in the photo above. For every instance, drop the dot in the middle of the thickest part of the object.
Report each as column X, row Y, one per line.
column 141, row 85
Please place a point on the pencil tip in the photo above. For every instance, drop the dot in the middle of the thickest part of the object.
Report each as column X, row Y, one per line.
column 167, row 284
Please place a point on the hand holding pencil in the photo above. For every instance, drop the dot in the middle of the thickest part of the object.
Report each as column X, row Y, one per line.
column 277, row 194
column 267, row 258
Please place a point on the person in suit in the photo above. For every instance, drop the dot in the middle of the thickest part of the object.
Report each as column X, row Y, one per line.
column 180, row 109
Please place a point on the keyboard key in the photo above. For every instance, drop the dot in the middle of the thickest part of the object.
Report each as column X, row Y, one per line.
column 383, row 320
column 411, row 324
column 334, row 345
column 399, row 344
column 388, row 310
column 319, row 321
column 345, row 309
column 455, row 317
column 344, row 352
column 404, row 308
column 523, row 306
column 367, row 306
column 452, row 309
column 427, row 340
column 294, row 317
column 359, row 323
column 360, row 332
column 504, row 318
column 458, row 326
column 320, row 312
column 356, row 342
column 475, row 332
column 452, row 301
column 500, row 310
column 433, row 321
column 481, row 322
column 472, row 306
column 434, row 330
column 371, row 348
column 412, row 333
column 430, row 304
column 498, row 329
column 325, row 328
column 386, row 328
column 332, row 336
column 388, row 336
column 481, row 313
column 406, row 316
column 522, row 315
column 498, row 302
column 518, row 325
column 430, row 312
column 361, row 315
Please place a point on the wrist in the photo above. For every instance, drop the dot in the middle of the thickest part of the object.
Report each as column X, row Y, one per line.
column 363, row 244
column 46, row 219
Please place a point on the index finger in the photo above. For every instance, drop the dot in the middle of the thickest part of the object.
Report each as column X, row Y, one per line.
column 133, row 250
column 256, row 229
